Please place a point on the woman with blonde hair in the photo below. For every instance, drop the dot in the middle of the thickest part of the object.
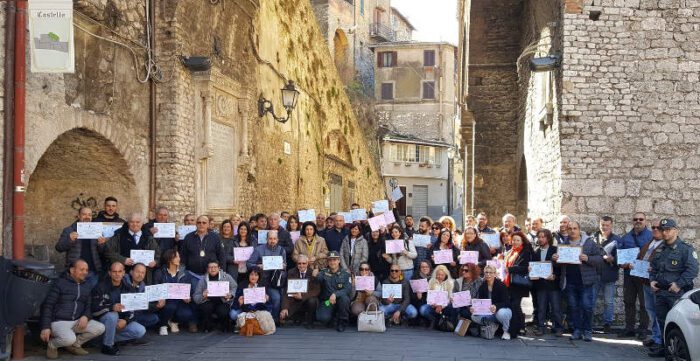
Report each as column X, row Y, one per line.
column 440, row 281
column 448, row 222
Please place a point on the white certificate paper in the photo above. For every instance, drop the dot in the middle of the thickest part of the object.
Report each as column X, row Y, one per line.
column 254, row 295
column 297, row 286
column 89, row 230
column 492, row 239
column 627, row 255
column 421, row 240
column 272, row 263
column 134, row 301
column 165, row 230
column 183, row 231
column 540, row 269
column 380, row 206
column 347, row 217
column 307, row 215
column 391, row 290
column 568, row 254
column 157, row 292
column 142, row 256
column 108, row 228
column 359, row 214
column 640, row 269
column 217, row 288
column 396, row 194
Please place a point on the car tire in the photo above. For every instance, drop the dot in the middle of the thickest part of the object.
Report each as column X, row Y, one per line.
column 676, row 346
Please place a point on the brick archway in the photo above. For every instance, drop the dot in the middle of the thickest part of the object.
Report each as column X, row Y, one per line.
column 79, row 168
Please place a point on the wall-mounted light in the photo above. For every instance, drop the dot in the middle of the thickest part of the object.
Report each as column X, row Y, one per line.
column 196, row 63
column 290, row 95
column 546, row 63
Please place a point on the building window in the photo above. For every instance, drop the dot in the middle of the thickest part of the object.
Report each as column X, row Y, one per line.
column 413, row 153
column 387, row 91
column 386, row 59
column 428, row 90
column 429, row 58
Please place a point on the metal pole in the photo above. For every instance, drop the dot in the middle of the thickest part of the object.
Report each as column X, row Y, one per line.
column 18, row 156
column 8, row 149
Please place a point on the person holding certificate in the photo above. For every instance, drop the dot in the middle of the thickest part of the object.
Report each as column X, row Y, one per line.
column 298, row 306
column 353, row 250
column 493, row 289
column 377, row 257
column 394, row 307
column 336, row 291
column 419, row 297
column 547, row 289
column 633, row 287
column 135, row 280
column 240, row 305
column 517, row 263
column 175, row 312
column 214, row 310
column 364, row 297
column 440, row 281
column 272, row 279
column 243, row 238
column 66, row 318
column 407, row 255
column 149, row 229
column 227, row 239
column 472, row 242
column 130, row 238
column 580, row 282
column 470, row 280
column 609, row 271
column 312, row 246
column 107, row 308
column 445, row 243
column 109, row 213
column 89, row 250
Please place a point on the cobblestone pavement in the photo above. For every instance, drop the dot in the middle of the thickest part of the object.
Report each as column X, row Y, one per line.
column 295, row 343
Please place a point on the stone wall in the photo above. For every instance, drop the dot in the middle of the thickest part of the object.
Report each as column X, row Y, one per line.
column 493, row 101
column 629, row 132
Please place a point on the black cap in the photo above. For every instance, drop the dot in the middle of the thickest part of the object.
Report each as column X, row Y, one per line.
column 667, row 223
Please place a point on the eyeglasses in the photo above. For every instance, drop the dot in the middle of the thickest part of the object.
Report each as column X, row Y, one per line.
column 638, row 219
column 465, row 270
column 395, row 270
column 364, row 269
column 202, row 222
column 435, row 228
column 656, row 228
column 490, row 273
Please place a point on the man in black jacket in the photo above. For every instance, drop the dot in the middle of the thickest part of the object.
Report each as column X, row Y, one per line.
column 149, row 229
column 89, row 250
column 66, row 320
column 200, row 247
column 109, row 214
column 106, row 306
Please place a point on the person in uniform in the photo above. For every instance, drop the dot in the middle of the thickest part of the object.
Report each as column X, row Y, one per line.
column 335, row 292
column 673, row 268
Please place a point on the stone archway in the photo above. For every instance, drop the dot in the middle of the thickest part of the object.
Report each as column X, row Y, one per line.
column 341, row 56
column 80, row 167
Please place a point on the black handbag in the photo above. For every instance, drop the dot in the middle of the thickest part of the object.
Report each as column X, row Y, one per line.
column 520, row 280
column 444, row 324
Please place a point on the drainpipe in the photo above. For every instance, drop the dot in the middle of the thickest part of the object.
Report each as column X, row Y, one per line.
column 152, row 115
column 8, row 146
column 18, row 155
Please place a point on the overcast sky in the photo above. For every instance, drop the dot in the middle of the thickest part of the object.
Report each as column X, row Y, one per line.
column 434, row 20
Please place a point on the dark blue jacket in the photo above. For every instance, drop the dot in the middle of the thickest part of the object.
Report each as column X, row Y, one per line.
column 334, row 238
column 67, row 301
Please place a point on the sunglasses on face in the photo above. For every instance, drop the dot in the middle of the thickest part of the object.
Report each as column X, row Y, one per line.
column 638, row 219
column 465, row 270
column 202, row 222
column 364, row 269
column 656, row 228
column 395, row 270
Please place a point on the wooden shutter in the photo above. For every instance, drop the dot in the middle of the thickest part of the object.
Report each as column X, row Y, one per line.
column 380, row 59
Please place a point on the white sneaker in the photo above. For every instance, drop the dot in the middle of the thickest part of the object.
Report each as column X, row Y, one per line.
column 173, row 327
column 506, row 336
column 163, row 331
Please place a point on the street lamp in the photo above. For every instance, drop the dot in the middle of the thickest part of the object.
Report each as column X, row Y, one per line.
column 289, row 100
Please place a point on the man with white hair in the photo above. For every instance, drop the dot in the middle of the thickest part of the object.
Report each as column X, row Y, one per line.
column 131, row 238
column 285, row 239
column 273, row 280
column 509, row 224
column 297, row 306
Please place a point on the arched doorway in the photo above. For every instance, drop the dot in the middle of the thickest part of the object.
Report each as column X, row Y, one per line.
column 341, row 56
column 80, row 168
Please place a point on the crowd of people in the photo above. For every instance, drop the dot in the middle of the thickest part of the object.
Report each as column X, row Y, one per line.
column 333, row 256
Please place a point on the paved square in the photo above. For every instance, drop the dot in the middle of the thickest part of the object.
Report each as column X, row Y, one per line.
column 295, row 343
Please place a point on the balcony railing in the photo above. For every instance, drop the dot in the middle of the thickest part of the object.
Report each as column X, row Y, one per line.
column 382, row 32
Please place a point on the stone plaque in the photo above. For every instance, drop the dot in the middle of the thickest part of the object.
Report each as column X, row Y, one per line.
column 221, row 167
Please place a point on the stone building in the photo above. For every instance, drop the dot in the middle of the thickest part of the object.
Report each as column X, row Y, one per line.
column 196, row 143
column 415, row 85
column 613, row 130
column 351, row 26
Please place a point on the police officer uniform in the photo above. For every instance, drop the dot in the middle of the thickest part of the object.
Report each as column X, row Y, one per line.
column 337, row 283
column 672, row 263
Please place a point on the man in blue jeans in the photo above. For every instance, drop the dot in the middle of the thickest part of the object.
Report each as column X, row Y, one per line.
column 645, row 254
column 580, row 282
column 394, row 307
column 119, row 324
column 609, row 271
column 135, row 280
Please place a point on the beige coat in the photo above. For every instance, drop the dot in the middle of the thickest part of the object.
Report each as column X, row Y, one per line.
column 317, row 249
